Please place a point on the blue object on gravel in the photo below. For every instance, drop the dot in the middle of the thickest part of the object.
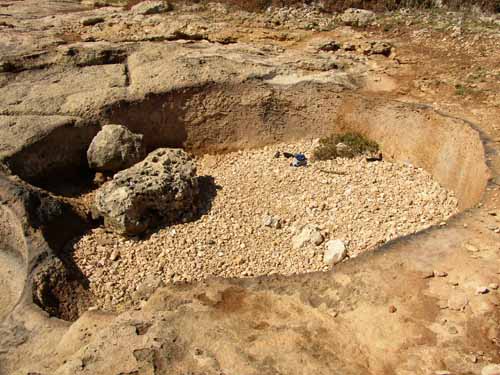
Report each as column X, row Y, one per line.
column 299, row 160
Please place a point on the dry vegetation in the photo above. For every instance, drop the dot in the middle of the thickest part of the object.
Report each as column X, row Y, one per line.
column 356, row 144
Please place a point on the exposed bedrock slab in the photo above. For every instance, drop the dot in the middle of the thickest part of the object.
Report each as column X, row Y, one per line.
column 36, row 146
column 151, row 7
column 12, row 261
column 57, row 90
column 34, row 227
column 217, row 325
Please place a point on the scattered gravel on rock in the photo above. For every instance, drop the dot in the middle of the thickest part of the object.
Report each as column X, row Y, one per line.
column 361, row 204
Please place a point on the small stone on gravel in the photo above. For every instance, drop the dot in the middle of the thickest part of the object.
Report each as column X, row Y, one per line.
column 471, row 248
column 271, row 222
column 114, row 255
column 335, row 252
column 308, row 235
column 440, row 273
column 482, row 290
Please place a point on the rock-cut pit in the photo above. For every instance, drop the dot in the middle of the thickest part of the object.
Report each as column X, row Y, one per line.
column 254, row 207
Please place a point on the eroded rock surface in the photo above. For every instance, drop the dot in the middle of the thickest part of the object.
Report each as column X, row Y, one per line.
column 209, row 76
column 163, row 186
column 115, row 148
column 151, row 7
column 357, row 17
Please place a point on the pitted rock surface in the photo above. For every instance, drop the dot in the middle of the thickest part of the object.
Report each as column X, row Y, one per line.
column 357, row 17
column 163, row 187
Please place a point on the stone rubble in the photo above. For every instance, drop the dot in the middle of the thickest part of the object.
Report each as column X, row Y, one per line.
column 361, row 204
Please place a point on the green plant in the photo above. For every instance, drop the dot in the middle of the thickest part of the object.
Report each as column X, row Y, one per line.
column 353, row 144
column 460, row 90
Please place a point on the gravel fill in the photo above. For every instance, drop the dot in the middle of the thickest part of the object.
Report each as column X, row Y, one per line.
column 360, row 203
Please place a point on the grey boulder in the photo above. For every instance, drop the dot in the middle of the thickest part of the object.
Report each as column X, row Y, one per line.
column 163, row 187
column 115, row 148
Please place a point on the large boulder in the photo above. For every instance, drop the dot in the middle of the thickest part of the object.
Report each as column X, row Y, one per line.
column 162, row 187
column 115, row 148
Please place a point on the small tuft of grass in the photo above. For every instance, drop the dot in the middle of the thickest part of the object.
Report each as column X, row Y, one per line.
column 463, row 90
column 355, row 144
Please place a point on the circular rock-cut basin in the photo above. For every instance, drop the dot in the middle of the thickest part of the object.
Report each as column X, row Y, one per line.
column 433, row 167
column 255, row 205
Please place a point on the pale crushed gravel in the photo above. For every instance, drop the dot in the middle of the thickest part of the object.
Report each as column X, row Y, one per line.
column 363, row 204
